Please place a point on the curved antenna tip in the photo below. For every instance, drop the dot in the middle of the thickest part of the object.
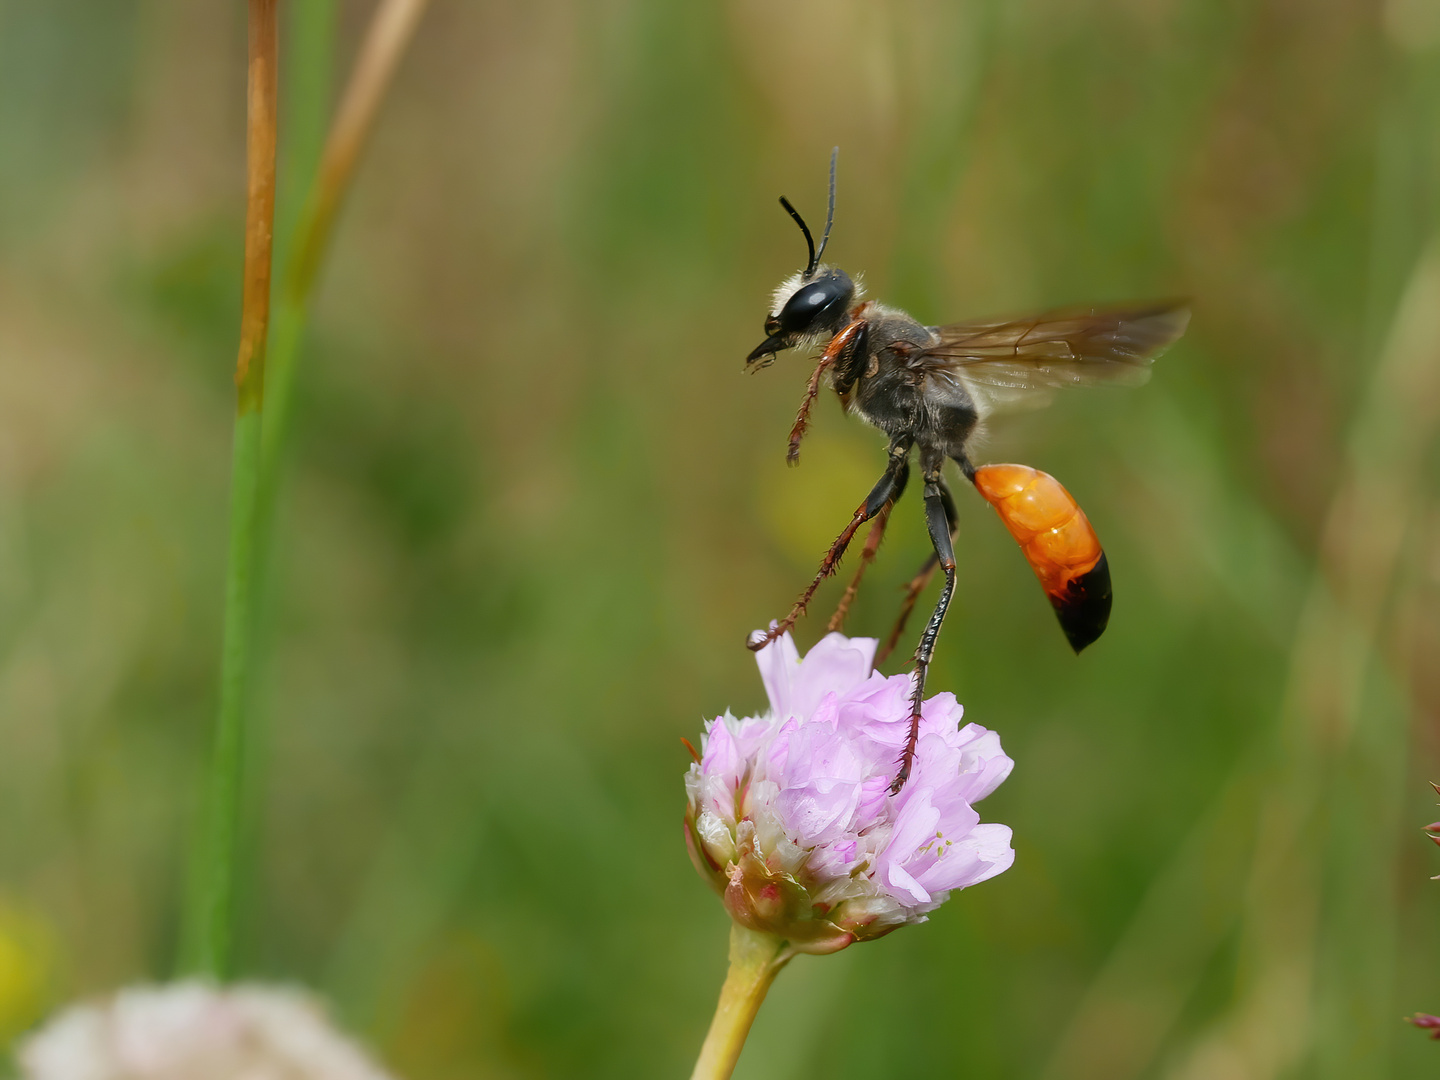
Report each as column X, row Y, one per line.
column 814, row 261
column 809, row 240
column 830, row 210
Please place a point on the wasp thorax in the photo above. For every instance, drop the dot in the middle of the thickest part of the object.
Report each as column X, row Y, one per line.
column 817, row 305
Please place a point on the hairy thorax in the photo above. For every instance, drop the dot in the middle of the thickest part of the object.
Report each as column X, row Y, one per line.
column 900, row 394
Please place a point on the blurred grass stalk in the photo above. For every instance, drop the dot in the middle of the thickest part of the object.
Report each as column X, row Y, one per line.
column 389, row 33
column 261, row 425
column 1310, row 865
column 1317, row 909
column 1292, row 1005
column 211, row 915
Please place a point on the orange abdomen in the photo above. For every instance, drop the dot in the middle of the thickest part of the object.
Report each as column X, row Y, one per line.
column 1058, row 543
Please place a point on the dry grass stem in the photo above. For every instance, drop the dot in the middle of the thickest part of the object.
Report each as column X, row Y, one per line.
column 385, row 41
column 209, row 942
column 262, row 104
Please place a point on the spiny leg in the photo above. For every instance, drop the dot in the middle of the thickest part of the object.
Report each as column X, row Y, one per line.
column 885, row 492
column 919, row 582
column 867, row 556
column 845, row 339
column 802, row 417
column 937, row 518
column 916, row 586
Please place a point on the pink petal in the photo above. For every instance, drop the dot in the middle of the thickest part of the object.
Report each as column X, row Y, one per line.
column 914, row 827
column 778, row 662
column 896, row 877
column 985, row 852
column 809, row 813
column 836, row 664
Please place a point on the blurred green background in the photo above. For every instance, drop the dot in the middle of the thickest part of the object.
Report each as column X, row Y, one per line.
column 534, row 506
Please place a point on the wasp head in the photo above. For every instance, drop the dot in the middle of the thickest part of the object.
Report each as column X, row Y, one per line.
column 811, row 303
column 807, row 306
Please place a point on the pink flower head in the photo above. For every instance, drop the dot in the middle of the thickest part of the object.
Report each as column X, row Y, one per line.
column 790, row 816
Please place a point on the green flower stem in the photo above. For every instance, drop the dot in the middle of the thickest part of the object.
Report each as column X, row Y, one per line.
column 755, row 959
column 210, row 919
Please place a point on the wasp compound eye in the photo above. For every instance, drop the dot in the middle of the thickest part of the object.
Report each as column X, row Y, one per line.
column 816, row 306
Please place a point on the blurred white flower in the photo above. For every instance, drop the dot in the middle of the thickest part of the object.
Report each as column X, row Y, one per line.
column 195, row 1031
column 790, row 816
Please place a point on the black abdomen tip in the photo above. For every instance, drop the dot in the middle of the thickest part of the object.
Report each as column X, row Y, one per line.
column 1084, row 608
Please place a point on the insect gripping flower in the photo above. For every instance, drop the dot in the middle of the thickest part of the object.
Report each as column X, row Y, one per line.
column 790, row 816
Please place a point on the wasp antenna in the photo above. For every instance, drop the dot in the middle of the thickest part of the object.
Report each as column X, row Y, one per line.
column 809, row 240
column 829, row 213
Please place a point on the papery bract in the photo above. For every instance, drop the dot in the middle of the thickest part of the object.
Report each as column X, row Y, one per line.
column 790, row 816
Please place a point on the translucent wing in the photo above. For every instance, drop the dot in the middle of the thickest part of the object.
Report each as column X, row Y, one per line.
column 1015, row 362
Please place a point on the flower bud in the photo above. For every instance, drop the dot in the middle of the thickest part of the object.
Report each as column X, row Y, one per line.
column 790, row 817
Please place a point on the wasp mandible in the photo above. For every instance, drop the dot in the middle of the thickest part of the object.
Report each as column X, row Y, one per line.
column 931, row 390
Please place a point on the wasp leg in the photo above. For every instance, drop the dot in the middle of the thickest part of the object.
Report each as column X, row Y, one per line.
column 885, row 492
column 840, row 346
column 919, row 582
column 938, row 519
column 867, row 556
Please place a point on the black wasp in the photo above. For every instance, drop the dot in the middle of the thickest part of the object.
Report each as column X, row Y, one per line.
column 931, row 389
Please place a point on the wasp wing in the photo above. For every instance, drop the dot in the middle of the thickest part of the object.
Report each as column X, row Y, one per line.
column 1014, row 363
